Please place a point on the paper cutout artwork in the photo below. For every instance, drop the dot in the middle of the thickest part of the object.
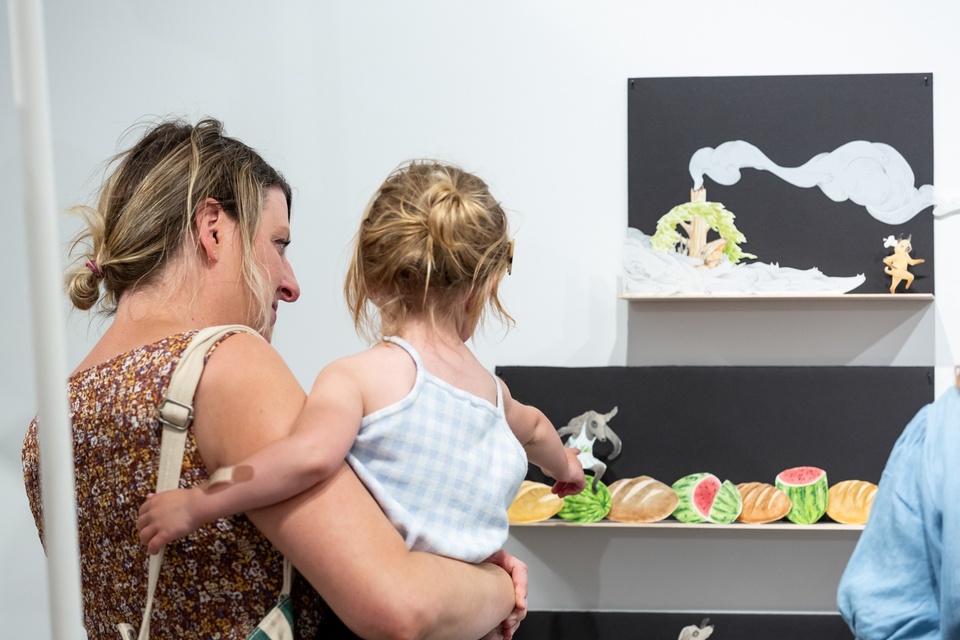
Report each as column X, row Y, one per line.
column 899, row 262
column 873, row 175
column 590, row 505
column 697, row 218
column 703, row 498
column 762, row 503
column 694, row 632
column 800, row 495
column 584, row 431
column 534, row 502
column 641, row 499
column 807, row 489
column 850, row 501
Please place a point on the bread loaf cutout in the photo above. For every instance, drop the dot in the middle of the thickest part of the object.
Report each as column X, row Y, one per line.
column 534, row 502
column 762, row 503
column 641, row 499
column 849, row 502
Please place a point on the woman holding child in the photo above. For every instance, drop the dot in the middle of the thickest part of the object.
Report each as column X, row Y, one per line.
column 190, row 231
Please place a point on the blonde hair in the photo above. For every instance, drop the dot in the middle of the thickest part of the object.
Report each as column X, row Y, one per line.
column 147, row 207
column 433, row 242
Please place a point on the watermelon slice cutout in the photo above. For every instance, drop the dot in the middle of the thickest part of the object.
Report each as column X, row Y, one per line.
column 807, row 489
column 703, row 498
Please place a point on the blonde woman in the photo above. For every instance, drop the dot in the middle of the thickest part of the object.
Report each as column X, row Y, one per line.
column 435, row 436
column 191, row 231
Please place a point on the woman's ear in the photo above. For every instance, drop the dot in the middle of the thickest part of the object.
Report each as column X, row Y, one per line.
column 210, row 228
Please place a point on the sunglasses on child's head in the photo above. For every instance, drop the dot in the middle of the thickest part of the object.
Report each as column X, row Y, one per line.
column 510, row 258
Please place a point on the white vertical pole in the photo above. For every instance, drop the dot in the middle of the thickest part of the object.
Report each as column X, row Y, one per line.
column 49, row 343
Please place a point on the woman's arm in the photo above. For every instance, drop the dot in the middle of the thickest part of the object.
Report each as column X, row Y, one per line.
column 887, row 589
column 322, row 436
column 336, row 529
column 335, row 533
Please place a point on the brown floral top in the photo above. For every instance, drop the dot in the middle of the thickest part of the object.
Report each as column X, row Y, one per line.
column 218, row 582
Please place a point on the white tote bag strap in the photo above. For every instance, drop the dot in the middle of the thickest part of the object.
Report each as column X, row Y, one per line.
column 287, row 578
column 176, row 414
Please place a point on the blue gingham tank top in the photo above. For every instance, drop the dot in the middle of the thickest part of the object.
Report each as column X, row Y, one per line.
column 443, row 464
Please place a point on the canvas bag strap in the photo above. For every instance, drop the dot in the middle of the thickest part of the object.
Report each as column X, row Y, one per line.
column 176, row 415
column 287, row 578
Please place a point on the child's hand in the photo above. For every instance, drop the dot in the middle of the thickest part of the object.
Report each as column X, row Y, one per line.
column 518, row 573
column 165, row 517
column 572, row 480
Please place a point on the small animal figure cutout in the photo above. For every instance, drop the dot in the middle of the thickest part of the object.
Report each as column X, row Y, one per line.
column 586, row 429
column 899, row 262
column 693, row 632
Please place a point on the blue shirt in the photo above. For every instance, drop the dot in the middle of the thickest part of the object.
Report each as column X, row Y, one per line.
column 903, row 579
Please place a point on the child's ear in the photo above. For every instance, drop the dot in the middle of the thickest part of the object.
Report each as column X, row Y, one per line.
column 209, row 223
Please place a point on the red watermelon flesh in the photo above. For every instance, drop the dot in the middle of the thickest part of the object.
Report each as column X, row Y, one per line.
column 704, row 493
column 800, row 475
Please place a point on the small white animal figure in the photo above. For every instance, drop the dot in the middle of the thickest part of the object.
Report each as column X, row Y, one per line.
column 586, row 429
column 694, row 632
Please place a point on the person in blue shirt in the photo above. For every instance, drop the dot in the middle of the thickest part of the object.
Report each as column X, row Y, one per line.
column 903, row 579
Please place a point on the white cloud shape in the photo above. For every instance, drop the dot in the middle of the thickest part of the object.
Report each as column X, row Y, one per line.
column 649, row 272
column 871, row 174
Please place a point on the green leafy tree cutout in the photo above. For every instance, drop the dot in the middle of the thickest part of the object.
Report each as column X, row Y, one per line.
column 697, row 219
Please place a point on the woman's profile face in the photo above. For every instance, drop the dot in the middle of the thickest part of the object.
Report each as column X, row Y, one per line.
column 270, row 246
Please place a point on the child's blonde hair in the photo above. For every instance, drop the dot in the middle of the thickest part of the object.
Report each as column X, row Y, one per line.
column 433, row 243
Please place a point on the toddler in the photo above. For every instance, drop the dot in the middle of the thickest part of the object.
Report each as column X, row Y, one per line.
column 435, row 437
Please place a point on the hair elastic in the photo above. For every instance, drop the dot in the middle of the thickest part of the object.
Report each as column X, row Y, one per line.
column 94, row 268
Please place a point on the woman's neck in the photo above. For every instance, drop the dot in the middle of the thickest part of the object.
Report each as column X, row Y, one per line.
column 150, row 313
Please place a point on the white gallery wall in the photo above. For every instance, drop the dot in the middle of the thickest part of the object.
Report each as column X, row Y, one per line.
column 531, row 95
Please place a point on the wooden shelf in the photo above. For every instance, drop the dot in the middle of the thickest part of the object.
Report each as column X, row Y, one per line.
column 893, row 298
column 735, row 526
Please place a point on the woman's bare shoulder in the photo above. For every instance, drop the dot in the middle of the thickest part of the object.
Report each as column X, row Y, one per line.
column 247, row 397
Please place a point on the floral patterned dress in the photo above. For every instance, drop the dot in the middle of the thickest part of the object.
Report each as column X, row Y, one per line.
column 216, row 583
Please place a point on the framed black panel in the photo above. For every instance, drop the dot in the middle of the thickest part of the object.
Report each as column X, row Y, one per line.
column 610, row 625
column 790, row 119
column 742, row 424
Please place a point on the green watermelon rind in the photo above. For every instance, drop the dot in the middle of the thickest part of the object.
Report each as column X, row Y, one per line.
column 809, row 500
column 588, row 505
column 727, row 504
column 684, row 487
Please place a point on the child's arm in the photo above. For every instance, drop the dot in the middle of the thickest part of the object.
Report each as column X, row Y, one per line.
column 321, row 438
column 543, row 445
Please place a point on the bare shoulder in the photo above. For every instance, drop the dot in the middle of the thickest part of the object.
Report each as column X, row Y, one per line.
column 246, row 398
column 382, row 356
column 383, row 374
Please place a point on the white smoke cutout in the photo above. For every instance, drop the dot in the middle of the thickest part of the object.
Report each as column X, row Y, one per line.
column 871, row 174
column 655, row 273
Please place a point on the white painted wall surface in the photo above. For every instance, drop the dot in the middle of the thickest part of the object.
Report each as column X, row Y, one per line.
column 529, row 94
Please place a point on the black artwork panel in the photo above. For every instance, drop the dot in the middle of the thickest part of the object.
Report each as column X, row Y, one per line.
column 742, row 424
column 609, row 625
column 790, row 119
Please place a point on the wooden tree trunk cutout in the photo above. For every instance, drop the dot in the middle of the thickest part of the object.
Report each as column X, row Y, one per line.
column 697, row 229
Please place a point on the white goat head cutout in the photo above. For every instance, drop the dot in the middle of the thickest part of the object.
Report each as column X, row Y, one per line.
column 586, row 429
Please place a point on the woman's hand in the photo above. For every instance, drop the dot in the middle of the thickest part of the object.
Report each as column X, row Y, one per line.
column 518, row 573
